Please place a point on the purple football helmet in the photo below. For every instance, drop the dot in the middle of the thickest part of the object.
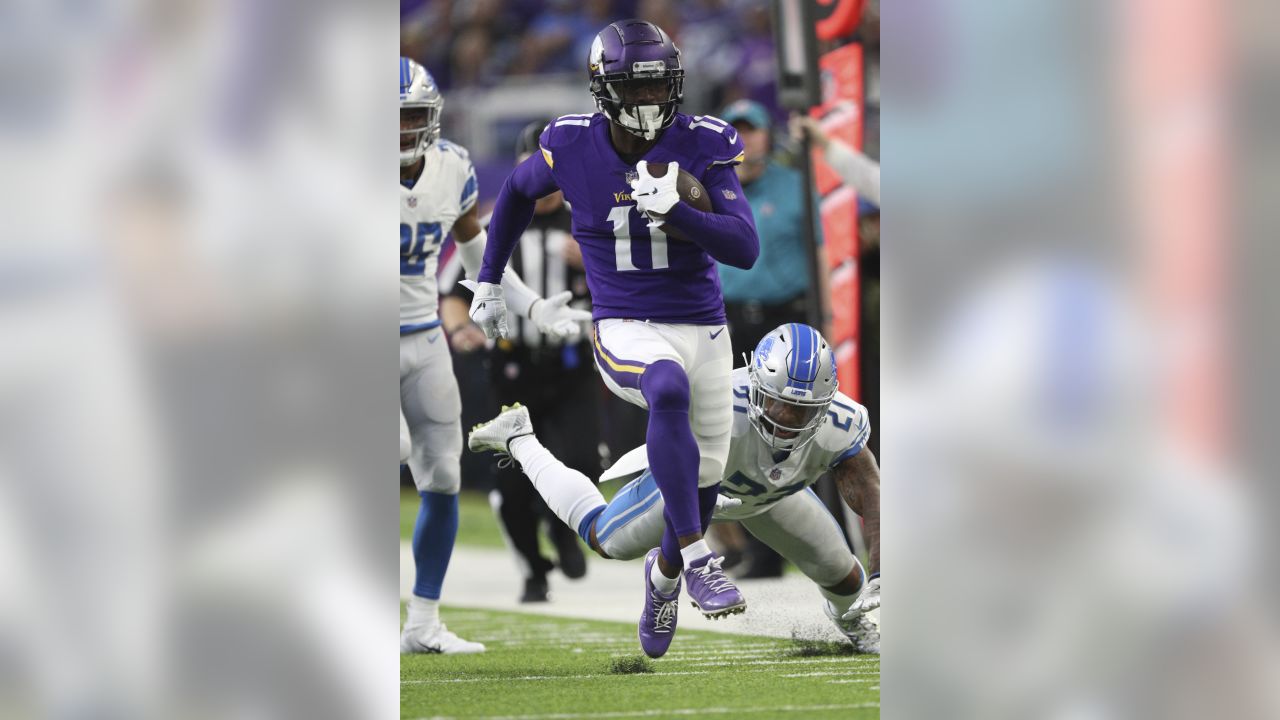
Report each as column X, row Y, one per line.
column 636, row 76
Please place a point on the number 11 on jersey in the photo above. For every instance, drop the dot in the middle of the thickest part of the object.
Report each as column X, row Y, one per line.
column 621, row 218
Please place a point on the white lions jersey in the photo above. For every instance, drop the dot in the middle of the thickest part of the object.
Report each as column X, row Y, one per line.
column 445, row 191
column 760, row 476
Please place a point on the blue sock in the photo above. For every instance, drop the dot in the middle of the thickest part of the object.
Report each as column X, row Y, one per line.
column 433, row 537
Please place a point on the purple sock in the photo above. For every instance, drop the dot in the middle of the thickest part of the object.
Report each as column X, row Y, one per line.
column 706, row 507
column 707, row 504
column 671, row 544
column 673, row 452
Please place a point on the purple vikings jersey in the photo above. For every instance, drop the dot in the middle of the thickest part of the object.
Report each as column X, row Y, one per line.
column 634, row 271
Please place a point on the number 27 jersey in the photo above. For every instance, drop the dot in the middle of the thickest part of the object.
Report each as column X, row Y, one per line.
column 759, row 476
column 445, row 191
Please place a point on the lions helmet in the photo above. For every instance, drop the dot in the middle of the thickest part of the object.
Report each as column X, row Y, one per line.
column 792, row 376
column 636, row 76
column 420, row 106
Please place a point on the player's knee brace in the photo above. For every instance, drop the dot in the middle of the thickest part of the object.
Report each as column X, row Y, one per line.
column 710, row 472
column 834, row 582
column 665, row 387
column 440, row 473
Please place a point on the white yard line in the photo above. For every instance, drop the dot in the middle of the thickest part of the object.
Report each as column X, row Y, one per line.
column 829, row 673
column 849, row 659
column 546, row 677
column 674, row 711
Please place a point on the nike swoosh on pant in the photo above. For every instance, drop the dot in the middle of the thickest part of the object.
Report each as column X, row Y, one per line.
column 716, row 333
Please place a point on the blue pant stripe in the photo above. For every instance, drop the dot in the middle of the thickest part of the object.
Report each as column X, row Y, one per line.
column 631, row 502
column 584, row 527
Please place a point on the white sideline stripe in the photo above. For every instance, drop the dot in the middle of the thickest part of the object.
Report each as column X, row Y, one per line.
column 852, row 680
column 541, row 677
column 797, row 661
column 672, row 711
column 715, row 656
column 827, row 673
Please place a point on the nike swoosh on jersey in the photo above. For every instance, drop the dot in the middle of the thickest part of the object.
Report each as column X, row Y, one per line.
column 733, row 137
column 716, row 333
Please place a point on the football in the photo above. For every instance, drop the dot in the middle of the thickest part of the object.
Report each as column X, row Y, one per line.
column 690, row 190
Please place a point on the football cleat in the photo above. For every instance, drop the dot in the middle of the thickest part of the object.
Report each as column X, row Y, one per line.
column 658, row 619
column 435, row 639
column 535, row 590
column 711, row 591
column 861, row 630
column 497, row 434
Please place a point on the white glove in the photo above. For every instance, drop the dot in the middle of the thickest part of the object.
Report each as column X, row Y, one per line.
column 724, row 502
column 489, row 310
column 868, row 600
column 553, row 316
column 655, row 196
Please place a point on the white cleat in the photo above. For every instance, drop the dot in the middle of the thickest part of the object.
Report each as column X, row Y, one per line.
column 436, row 639
column 498, row 433
column 862, row 631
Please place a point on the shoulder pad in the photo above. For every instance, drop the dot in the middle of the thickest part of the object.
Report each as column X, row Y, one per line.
column 846, row 430
column 717, row 139
column 450, row 148
column 561, row 132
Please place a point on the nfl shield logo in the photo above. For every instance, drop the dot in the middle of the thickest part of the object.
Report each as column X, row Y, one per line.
column 774, row 474
column 632, row 176
column 413, row 201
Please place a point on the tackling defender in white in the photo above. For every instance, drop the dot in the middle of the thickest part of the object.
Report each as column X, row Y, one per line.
column 438, row 194
column 786, row 434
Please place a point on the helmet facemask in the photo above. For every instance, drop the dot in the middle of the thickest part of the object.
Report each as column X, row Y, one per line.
column 641, row 104
column 783, row 421
column 419, row 128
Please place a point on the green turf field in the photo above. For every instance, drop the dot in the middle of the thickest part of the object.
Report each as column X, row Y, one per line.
column 544, row 667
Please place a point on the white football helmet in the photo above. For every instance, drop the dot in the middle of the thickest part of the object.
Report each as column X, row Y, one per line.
column 793, row 380
column 420, row 106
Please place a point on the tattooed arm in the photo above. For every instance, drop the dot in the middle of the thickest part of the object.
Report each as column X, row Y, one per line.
column 858, row 479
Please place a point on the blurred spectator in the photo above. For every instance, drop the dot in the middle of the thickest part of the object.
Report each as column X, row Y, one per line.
column 772, row 292
column 480, row 42
column 549, row 44
column 756, row 74
column 556, row 382
column 855, row 169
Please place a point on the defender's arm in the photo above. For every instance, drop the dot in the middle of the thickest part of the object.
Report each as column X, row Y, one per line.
column 858, row 480
column 511, row 214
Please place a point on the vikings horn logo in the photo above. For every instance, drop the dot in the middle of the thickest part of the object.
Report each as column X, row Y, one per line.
column 597, row 54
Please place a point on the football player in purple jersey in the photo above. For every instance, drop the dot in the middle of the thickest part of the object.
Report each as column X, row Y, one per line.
column 657, row 306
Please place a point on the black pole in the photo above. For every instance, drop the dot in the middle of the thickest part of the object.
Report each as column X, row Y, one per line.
column 796, row 41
